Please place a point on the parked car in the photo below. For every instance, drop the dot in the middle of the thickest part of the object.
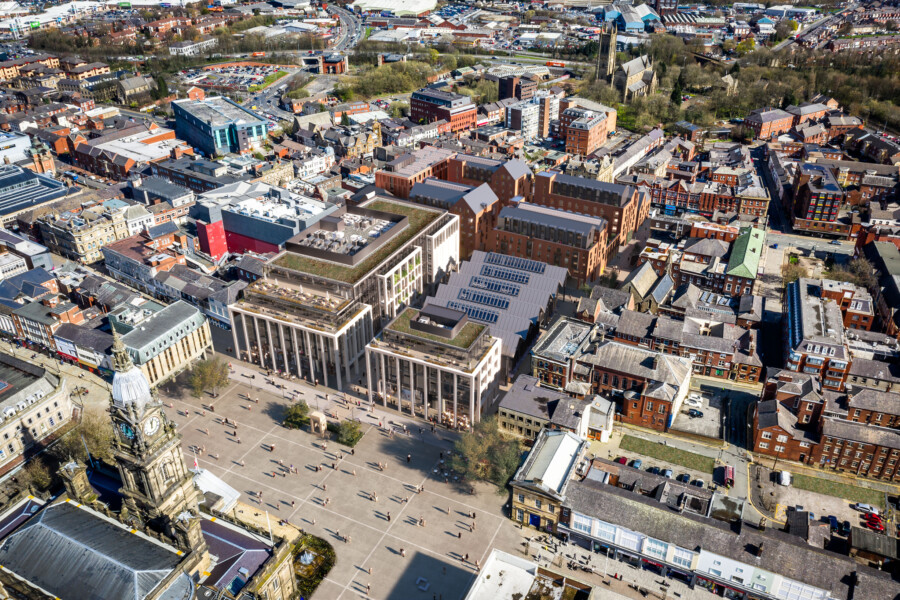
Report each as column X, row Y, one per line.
column 873, row 517
column 875, row 526
column 845, row 528
column 835, row 242
column 684, row 478
column 653, row 470
column 866, row 508
column 695, row 400
column 698, row 482
column 835, row 526
column 785, row 478
column 636, row 463
column 694, row 413
column 622, row 460
column 667, row 473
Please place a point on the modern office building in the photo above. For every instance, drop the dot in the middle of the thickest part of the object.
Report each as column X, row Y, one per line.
column 435, row 363
column 321, row 300
column 35, row 255
column 433, row 105
column 218, row 126
column 514, row 296
column 814, row 334
column 524, row 117
column 255, row 217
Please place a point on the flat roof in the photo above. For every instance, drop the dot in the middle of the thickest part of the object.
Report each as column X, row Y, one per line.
column 418, row 219
column 219, row 112
column 463, row 339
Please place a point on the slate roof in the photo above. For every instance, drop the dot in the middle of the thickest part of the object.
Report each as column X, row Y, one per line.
column 781, row 553
column 236, row 550
column 641, row 279
column 72, row 552
column 637, row 324
column 613, row 299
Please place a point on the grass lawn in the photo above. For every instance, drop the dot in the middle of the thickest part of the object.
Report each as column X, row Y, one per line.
column 852, row 493
column 463, row 340
column 668, row 454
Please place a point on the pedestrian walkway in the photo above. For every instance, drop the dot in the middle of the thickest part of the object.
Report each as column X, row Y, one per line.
column 337, row 405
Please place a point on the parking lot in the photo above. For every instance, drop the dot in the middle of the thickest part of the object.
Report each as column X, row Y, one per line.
column 234, row 77
column 821, row 506
column 707, row 425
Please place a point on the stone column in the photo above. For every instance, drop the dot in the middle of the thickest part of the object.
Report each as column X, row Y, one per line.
column 343, row 341
column 383, row 380
column 399, row 389
column 337, row 361
column 412, row 388
column 425, row 389
column 368, row 376
column 323, row 358
column 271, row 344
column 294, row 331
column 440, row 396
column 455, row 392
column 472, row 401
column 284, row 352
column 309, row 354
column 234, row 337
column 262, row 360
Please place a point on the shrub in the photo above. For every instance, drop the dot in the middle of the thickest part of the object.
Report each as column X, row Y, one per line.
column 297, row 415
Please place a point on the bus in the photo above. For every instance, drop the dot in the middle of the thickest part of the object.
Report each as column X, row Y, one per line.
column 255, row 54
column 553, row 63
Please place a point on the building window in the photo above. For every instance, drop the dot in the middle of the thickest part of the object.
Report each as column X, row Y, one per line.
column 682, row 557
column 522, row 498
column 767, row 435
column 581, row 523
column 763, row 445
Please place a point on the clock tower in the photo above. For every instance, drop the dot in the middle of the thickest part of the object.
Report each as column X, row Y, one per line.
column 157, row 489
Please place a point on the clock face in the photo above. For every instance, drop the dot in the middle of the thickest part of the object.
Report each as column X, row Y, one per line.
column 151, row 425
column 126, row 430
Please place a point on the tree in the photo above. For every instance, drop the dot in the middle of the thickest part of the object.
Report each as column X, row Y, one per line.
column 345, row 119
column 297, row 415
column 348, row 433
column 37, row 474
column 745, row 46
column 676, row 94
column 162, row 88
column 483, row 453
column 94, row 431
column 728, row 45
column 209, row 374
column 793, row 272
column 433, row 56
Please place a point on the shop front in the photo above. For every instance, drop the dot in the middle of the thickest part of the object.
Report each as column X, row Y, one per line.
column 653, row 567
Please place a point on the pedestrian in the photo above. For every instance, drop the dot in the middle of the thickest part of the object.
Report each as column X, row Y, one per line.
column 324, row 487
column 242, row 462
column 448, row 511
column 423, row 522
column 389, row 517
column 333, row 468
column 293, row 504
column 470, row 529
column 408, row 458
column 260, row 494
column 349, row 539
column 474, row 525
column 370, row 570
column 402, row 552
column 353, row 451
column 442, row 456
column 374, row 496
column 239, row 440
column 368, row 587
column 459, row 534
column 354, row 472
column 466, row 557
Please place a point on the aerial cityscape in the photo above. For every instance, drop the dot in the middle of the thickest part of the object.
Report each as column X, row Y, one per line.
column 449, row 300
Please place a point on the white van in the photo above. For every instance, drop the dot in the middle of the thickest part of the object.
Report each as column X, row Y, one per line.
column 785, row 478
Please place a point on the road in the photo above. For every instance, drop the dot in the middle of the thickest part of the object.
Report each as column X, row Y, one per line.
column 351, row 28
column 812, row 28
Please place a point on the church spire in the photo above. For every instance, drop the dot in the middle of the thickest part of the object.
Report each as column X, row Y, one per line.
column 121, row 358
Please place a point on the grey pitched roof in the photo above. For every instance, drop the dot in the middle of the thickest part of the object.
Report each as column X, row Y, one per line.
column 637, row 324
column 613, row 299
column 75, row 553
column 662, row 288
column 641, row 279
column 87, row 337
column 517, row 168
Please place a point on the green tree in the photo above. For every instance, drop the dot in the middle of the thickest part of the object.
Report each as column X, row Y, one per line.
column 345, row 119
column 676, row 94
column 209, row 374
column 433, row 56
column 162, row 87
column 348, row 433
column 483, row 453
column 297, row 415
column 745, row 46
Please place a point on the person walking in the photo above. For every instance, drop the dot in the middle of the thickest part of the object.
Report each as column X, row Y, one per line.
column 408, row 458
column 403, row 553
column 389, row 517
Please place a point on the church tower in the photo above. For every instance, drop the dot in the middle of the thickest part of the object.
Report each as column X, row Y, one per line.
column 606, row 57
column 157, row 489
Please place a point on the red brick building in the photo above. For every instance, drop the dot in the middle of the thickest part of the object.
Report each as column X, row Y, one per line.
column 619, row 204
column 428, row 105
column 507, row 179
column 769, row 122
